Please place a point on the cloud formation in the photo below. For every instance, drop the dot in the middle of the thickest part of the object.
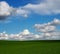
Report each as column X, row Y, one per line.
column 48, row 27
column 6, row 11
column 3, row 36
column 46, row 7
column 23, row 12
column 24, row 35
column 49, row 30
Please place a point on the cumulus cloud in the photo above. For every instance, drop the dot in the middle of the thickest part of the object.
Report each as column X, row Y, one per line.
column 24, row 35
column 44, row 28
column 49, row 30
column 23, row 12
column 6, row 11
column 25, row 32
column 48, row 27
column 47, row 7
column 3, row 36
column 27, row 35
column 52, row 35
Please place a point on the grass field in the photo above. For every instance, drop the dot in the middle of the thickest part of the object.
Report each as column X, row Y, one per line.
column 29, row 47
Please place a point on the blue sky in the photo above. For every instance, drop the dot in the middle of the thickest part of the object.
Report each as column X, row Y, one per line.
column 17, row 3
column 16, row 24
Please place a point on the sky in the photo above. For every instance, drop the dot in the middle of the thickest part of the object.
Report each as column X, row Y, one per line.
column 18, row 15
column 19, row 23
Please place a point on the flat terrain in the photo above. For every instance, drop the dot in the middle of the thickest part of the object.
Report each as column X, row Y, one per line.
column 29, row 47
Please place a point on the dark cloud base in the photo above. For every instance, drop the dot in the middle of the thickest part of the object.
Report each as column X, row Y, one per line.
column 3, row 18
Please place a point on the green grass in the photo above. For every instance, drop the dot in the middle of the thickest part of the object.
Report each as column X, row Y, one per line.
column 29, row 47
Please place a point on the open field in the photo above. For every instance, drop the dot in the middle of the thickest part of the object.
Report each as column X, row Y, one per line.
column 29, row 47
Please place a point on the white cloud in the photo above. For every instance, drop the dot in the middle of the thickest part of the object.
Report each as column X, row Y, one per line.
column 27, row 35
column 44, row 28
column 52, row 35
column 49, row 30
column 22, row 12
column 25, row 32
column 36, row 36
column 24, row 35
column 3, row 36
column 13, row 36
column 46, row 7
column 48, row 27
column 56, row 22
column 6, row 10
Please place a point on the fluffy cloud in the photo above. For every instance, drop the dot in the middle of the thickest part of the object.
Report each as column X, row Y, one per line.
column 3, row 36
column 23, row 12
column 27, row 35
column 52, row 36
column 46, row 7
column 24, row 35
column 6, row 11
column 49, row 30
column 25, row 32
column 55, row 22
column 48, row 27
column 44, row 28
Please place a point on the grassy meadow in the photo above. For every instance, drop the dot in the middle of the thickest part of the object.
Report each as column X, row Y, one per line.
column 30, row 47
